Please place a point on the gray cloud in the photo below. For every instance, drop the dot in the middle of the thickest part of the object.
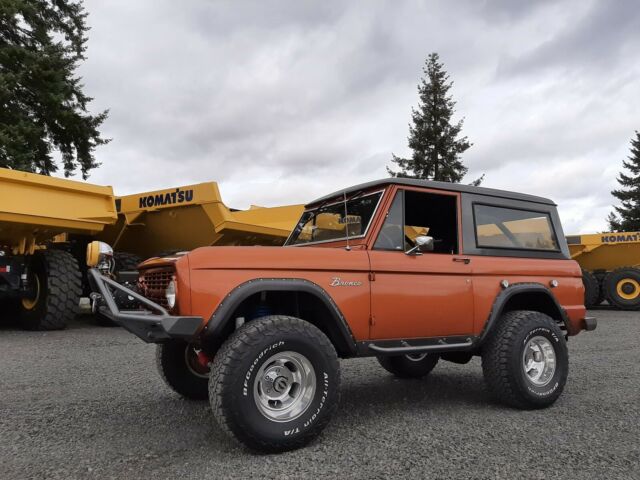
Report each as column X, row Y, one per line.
column 282, row 102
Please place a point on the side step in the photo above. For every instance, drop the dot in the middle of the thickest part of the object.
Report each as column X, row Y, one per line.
column 407, row 349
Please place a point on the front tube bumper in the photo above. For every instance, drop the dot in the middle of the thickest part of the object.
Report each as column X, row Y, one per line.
column 153, row 324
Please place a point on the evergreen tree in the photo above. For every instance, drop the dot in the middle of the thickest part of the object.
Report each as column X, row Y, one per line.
column 626, row 217
column 42, row 106
column 432, row 137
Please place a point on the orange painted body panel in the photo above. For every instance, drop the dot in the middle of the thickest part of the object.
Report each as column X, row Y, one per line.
column 216, row 271
column 426, row 295
column 488, row 272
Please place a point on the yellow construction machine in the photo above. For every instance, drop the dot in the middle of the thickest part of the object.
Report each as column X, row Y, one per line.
column 166, row 221
column 47, row 223
column 610, row 267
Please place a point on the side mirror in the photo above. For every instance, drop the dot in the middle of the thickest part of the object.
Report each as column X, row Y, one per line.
column 423, row 244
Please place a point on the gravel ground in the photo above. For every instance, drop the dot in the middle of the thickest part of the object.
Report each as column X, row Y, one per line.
column 87, row 403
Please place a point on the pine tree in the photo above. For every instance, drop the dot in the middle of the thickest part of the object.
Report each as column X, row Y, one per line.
column 43, row 110
column 626, row 217
column 433, row 137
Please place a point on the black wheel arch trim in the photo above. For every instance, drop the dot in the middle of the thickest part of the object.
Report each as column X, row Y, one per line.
column 508, row 293
column 222, row 314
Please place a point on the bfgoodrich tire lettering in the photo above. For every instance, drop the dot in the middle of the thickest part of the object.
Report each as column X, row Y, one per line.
column 232, row 384
column 504, row 365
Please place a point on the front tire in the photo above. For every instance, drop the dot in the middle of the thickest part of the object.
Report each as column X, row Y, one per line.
column 55, row 287
column 275, row 383
column 180, row 369
column 525, row 361
column 409, row 366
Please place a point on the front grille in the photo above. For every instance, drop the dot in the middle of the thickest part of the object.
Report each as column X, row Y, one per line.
column 153, row 284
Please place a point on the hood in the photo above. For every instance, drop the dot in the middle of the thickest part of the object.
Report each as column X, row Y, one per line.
column 278, row 258
column 161, row 261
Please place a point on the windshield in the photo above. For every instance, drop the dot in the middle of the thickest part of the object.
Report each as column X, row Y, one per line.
column 328, row 221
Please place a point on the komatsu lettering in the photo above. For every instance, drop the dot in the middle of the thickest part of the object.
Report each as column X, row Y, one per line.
column 620, row 237
column 170, row 198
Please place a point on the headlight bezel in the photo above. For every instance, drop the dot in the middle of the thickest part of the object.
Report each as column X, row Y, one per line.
column 171, row 293
column 100, row 256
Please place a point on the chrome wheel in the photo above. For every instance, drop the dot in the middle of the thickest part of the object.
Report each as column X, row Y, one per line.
column 284, row 386
column 539, row 361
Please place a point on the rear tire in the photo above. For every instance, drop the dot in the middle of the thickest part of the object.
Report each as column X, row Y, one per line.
column 275, row 383
column 622, row 288
column 525, row 361
column 409, row 366
column 56, row 287
column 591, row 289
column 179, row 368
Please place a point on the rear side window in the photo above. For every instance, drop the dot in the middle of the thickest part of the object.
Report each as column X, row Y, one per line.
column 499, row 227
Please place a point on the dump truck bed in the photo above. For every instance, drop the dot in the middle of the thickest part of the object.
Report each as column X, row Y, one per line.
column 605, row 251
column 35, row 208
column 188, row 217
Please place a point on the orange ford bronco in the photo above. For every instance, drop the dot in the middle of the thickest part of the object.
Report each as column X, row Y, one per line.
column 411, row 272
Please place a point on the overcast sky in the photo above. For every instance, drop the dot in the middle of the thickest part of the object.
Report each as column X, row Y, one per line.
column 281, row 102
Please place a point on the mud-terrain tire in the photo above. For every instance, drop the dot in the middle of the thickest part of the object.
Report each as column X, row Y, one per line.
column 409, row 366
column 622, row 288
column 55, row 293
column 275, row 356
column 179, row 368
column 591, row 289
column 510, row 352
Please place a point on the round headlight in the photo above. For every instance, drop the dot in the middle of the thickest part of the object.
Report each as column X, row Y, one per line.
column 100, row 256
column 170, row 294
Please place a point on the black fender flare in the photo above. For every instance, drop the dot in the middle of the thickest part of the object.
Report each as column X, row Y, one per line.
column 511, row 291
column 222, row 314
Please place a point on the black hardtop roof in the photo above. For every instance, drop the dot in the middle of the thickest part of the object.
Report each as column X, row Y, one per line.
column 451, row 187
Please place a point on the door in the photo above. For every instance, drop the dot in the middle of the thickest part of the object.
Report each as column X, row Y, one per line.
column 427, row 295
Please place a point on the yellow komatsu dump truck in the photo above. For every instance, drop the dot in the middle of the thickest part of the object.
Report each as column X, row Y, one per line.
column 180, row 219
column 47, row 223
column 610, row 267
column 34, row 209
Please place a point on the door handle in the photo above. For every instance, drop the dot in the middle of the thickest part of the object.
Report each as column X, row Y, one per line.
column 466, row 261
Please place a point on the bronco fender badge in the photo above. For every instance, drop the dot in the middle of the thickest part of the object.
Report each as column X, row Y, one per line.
column 338, row 282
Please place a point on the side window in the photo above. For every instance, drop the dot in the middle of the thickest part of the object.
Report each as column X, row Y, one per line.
column 416, row 213
column 499, row 227
column 390, row 236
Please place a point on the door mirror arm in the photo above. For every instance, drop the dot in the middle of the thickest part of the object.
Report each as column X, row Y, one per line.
column 423, row 244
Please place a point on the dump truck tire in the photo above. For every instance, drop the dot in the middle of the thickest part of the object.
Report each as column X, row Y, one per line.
column 409, row 366
column 591, row 289
column 56, row 287
column 126, row 262
column 622, row 288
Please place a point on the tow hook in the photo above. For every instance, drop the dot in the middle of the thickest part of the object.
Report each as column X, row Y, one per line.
column 203, row 359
